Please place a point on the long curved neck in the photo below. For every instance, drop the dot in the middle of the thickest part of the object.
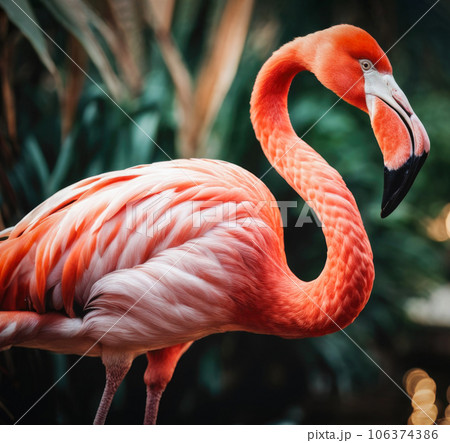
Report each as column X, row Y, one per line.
column 336, row 297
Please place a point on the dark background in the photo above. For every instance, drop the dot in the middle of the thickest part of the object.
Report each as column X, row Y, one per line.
column 58, row 127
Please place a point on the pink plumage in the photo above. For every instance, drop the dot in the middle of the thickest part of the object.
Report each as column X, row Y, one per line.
column 154, row 257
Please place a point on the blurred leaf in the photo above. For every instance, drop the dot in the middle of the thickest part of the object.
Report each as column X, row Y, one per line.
column 74, row 85
column 216, row 75
column 22, row 15
column 180, row 75
column 7, row 94
column 77, row 17
column 34, row 153
column 199, row 109
column 159, row 14
column 63, row 164
column 141, row 145
column 127, row 41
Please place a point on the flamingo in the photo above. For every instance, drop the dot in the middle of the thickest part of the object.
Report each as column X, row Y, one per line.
column 154, row 257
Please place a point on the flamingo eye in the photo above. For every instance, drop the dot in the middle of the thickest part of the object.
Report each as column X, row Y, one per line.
column 366, row 65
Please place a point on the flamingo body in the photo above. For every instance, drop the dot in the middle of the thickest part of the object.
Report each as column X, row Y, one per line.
column 153, row 257
column 181, row 248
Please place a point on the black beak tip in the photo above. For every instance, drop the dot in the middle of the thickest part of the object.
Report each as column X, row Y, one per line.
column 385, row 212
column 397, row 183
column 388, row 207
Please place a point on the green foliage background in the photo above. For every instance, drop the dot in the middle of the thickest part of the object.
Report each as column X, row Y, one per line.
column 238, row 377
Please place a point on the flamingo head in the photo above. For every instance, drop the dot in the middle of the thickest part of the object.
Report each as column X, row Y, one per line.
column 350, row 62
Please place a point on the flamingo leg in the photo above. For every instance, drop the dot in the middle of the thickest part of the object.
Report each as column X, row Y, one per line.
column 152, row 405
column 117, row 366
column 160, row 368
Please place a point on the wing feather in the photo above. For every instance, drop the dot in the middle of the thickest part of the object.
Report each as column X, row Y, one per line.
column 117, row 221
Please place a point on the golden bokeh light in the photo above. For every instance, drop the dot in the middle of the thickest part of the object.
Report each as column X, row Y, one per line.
column 422, row 417
column 422, row 390
column 439, row 228
column 422, row 398
column 426, row 383
column 411, row 378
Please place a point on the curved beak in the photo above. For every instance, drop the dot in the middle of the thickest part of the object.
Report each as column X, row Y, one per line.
column 400, row 134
